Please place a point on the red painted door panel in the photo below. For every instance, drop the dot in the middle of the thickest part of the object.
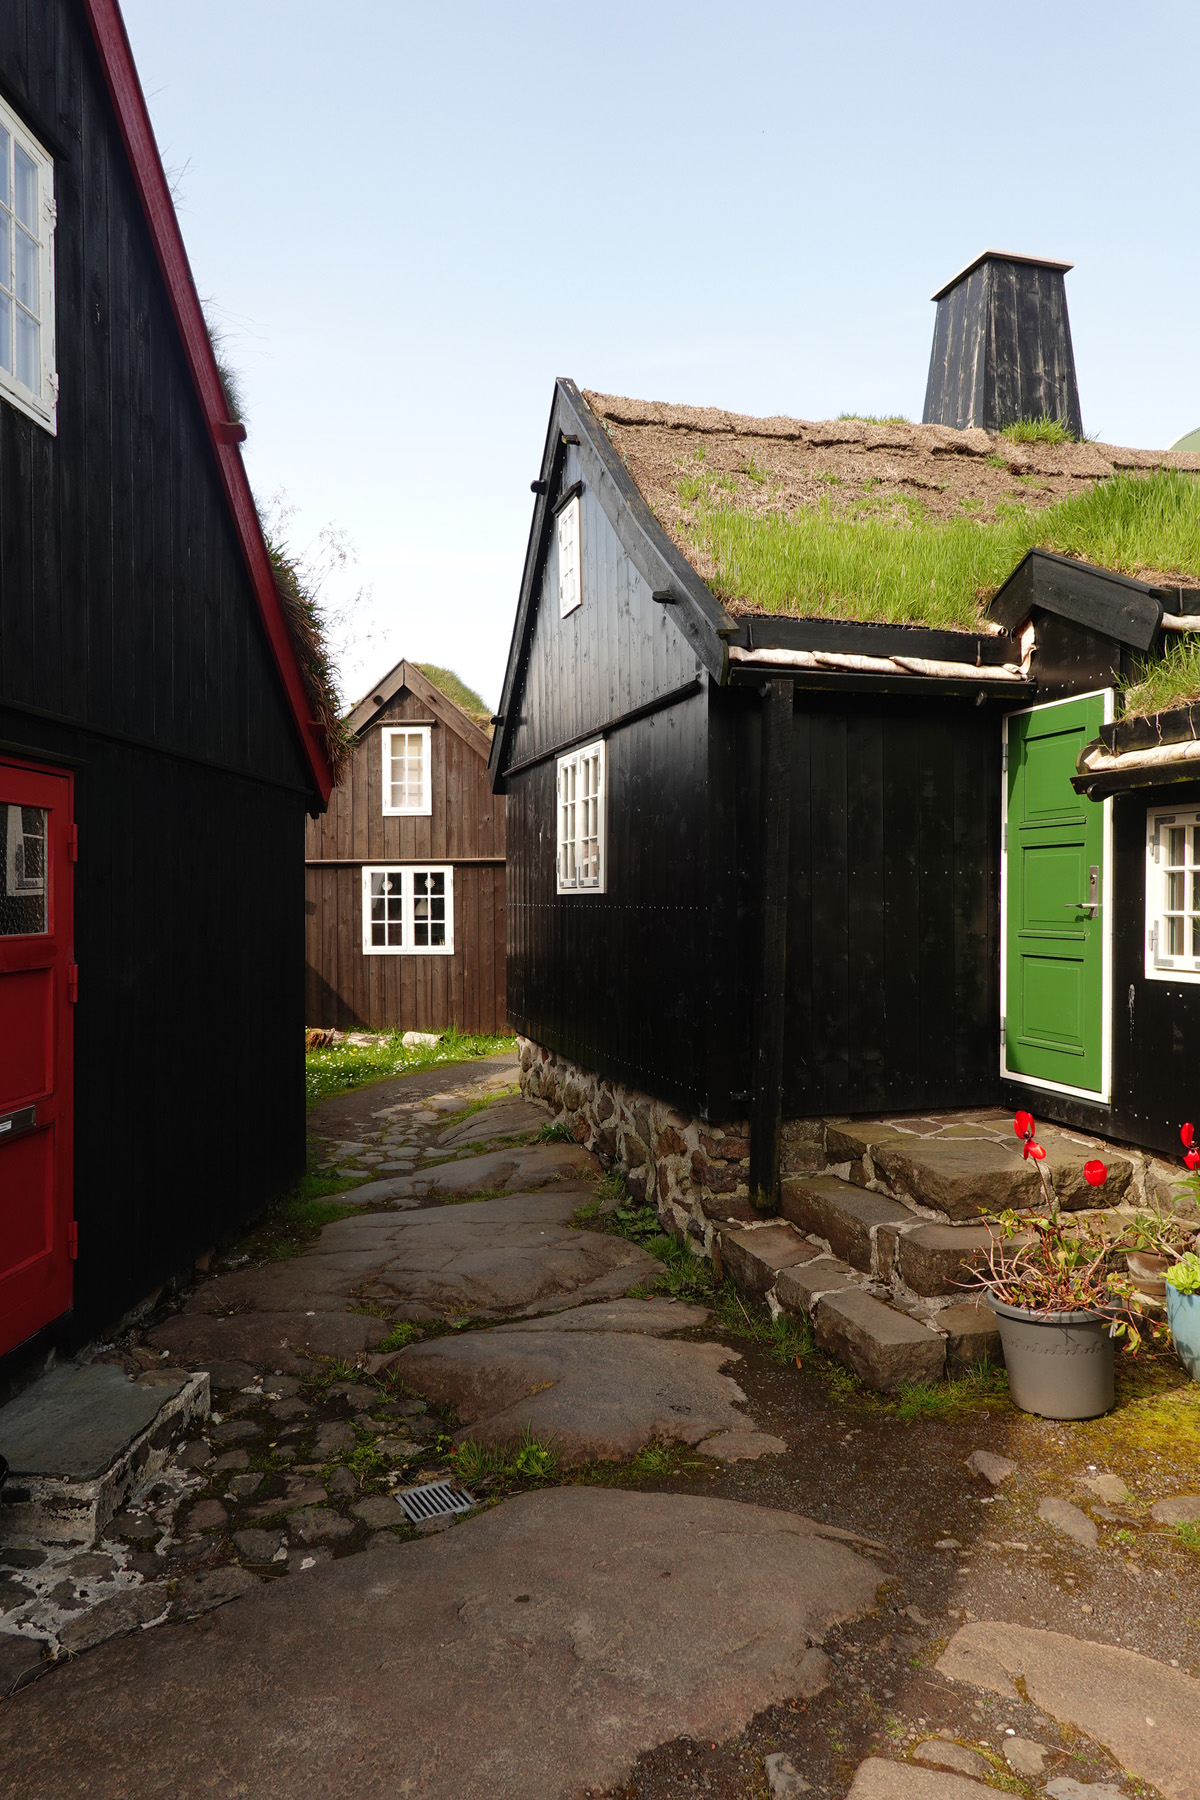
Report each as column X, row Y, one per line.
column 36, row 897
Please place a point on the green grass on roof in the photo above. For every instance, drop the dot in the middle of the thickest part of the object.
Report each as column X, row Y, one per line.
column 1172, row 681
column 907, row 569
column 1042, row 430
column 457, row 690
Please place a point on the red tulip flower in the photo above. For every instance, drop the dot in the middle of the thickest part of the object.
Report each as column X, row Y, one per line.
column 1187, row 1133
column 1095, row 1174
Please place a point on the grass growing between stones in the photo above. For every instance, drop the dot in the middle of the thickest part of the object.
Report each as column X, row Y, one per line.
column 553, row 1132
column 980, row 1386
column 341, row 1067
column 786, row 1338
column 494, row 1465
column 1189, row 1535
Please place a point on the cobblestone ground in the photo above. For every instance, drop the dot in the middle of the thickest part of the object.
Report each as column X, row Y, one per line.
column 1033, row 1627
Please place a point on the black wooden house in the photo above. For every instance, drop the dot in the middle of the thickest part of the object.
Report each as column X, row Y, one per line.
column 773, row 867
column 158, row 748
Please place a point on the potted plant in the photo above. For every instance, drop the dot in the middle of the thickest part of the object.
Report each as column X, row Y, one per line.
column 1183, row 1311
column 1156, row 1238
column 1059, row 1303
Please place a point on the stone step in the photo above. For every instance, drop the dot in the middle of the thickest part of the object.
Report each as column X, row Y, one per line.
column 847, row 1217
column 884, row 1343
column 82, row 1439
column 968, row 1169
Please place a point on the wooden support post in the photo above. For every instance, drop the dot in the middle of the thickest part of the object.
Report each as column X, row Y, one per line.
column 766, row 1120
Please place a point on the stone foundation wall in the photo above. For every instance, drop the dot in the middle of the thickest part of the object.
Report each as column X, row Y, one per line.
column 692, row 1171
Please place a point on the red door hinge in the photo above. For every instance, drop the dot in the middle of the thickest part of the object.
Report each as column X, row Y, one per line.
column 73, row 1240
column 72, row 982
column 73, row 842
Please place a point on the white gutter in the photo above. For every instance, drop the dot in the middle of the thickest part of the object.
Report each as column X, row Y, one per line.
column 1099, row 761
column 878, row 665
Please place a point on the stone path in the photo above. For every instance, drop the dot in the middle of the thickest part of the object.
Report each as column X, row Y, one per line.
column 794, row 1613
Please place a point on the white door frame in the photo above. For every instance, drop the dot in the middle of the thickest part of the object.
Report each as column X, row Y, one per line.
column 1103, row 1096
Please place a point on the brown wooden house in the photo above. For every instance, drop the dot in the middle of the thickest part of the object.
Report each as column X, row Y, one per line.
column 404, row 890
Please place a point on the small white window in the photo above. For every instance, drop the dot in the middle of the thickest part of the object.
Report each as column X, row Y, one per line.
column 581, row 860
column 408, row 911
column 407, row 786
column 570, row 587
column 1173, row 896
column 27, row 373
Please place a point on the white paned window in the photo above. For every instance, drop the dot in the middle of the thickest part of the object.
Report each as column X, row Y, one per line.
column 570, row 581
column 408, row 910
column 27, row 373
column 407, row 784
column 581, row 859
column 1173, row 895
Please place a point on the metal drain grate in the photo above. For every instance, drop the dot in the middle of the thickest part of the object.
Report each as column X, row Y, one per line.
column 436, row 1500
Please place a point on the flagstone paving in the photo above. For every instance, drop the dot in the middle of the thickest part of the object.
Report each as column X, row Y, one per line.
column 811, row 1592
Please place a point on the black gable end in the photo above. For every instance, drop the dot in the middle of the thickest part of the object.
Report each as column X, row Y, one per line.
column 1116, row 605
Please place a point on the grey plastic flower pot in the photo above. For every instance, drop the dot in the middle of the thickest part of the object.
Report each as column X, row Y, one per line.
column 1061, row 1365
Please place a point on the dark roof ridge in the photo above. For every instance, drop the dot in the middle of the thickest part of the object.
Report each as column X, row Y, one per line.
column 406, row 674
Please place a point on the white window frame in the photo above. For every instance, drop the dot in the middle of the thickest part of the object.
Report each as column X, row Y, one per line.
column 1160, row 820
column 408, row 873
column 569, row 523
column 581, row 807
column 41, row 406
column 425, row 733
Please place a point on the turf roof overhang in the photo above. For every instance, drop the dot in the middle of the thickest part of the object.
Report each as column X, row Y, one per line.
column 879, row 521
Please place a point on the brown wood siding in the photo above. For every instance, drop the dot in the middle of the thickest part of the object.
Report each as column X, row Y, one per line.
column 465, row 828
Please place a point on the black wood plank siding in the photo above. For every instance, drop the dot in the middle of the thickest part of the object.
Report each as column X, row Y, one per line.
column 619, row 650
column 131, row 649
column 1002, row 349
column 617, row 981
column 892, row 961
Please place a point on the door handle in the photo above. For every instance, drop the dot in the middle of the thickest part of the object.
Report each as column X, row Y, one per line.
column 1092, row 903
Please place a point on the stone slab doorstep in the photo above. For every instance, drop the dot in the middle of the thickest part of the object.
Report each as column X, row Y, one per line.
column 754, row 1258
column 1145, row 1714
column 846, row 1217
column 799, row 1288
column 98, row 1436
column 879, row 1779
column 697, row 1613
column 885, row 1347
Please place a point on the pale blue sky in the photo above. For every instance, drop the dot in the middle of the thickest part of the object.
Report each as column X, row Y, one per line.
column 412, row 218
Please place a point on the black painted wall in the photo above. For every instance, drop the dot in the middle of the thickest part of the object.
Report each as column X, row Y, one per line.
column 130, row 648
column 893, row 923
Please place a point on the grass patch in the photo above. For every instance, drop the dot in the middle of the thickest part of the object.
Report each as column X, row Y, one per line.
column 877, row 418
column 526, row 1460
column 786, row 1338
column 1042, row 430
column 402, row 1334
column 1168, row 682
column 818, row 562
column 342, row 1067
column 982, row 1385
column 553, row 1132
column 1189, row 1535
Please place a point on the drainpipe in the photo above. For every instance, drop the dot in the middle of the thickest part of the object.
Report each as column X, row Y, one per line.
column 766, row 1104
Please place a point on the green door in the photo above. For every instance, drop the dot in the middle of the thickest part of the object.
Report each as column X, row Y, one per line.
column 1054, row 974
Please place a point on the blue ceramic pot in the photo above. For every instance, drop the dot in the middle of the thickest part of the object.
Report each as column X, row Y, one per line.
column 1183, row 1316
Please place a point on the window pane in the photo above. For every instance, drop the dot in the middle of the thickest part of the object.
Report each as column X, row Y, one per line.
column 27, row 271
column 6, row 274
column 395, row 934
column 1196, row 937
column 1195, row 907
column 378, row 934
column 6, row 313
column 5, row 143
column 1175, row 892
column 376, row 884
column 29, row 355
column 25, row 188
column 22, row 870
column 1174, row 936
column 378, row 909
column 1175, row 842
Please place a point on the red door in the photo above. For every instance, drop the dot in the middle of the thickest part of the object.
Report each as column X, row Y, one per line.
column 36, row 990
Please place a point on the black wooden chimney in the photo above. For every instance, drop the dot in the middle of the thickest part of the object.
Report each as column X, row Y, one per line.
column 1002, row 346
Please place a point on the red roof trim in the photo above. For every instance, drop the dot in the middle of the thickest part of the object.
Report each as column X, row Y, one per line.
column 116, row 59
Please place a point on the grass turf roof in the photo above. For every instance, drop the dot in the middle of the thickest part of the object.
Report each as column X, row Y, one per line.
column 456, row 689
column 879, row 520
